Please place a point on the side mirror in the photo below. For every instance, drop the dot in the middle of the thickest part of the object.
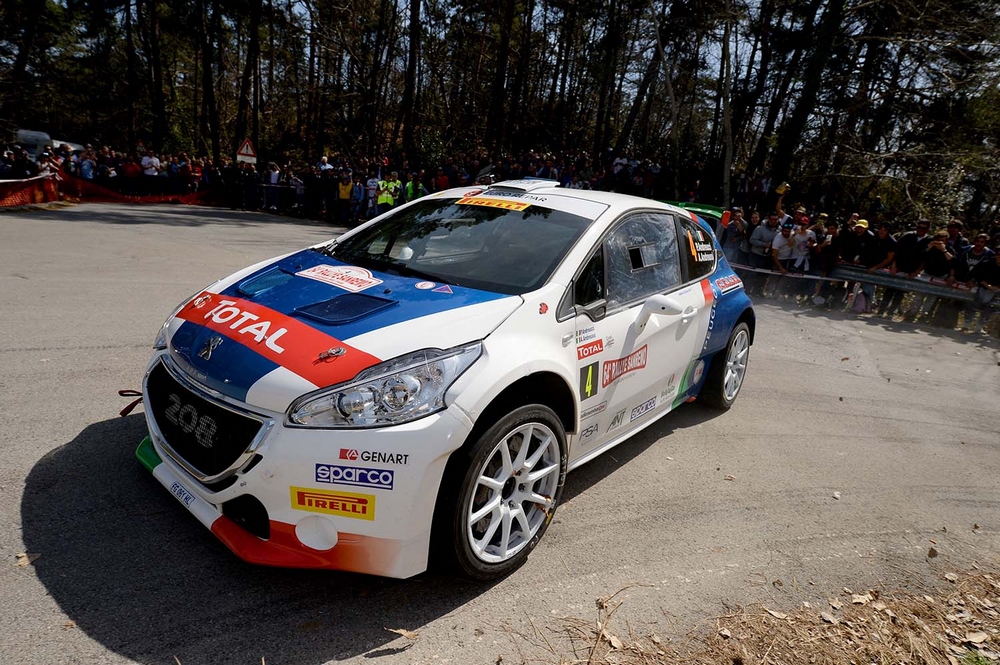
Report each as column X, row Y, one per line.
column 659, row 304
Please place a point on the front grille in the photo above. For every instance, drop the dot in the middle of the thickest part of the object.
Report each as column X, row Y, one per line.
column 208, row 437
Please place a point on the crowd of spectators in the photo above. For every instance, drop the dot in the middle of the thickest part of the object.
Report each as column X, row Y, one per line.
column 348, row 191
column 813, row 244
column 337, row 188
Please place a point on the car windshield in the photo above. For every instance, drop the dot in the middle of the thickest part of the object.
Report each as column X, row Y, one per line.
column 467, row 244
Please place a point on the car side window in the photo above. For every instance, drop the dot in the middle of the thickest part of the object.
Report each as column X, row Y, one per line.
column 698, row 250
column 589, row 286
column 641, row 258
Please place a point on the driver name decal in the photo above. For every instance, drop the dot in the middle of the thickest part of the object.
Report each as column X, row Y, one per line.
column 615, row 369
column 349, row 278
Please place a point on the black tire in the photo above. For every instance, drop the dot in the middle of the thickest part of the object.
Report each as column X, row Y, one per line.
column 713, row 393
column 468, row 493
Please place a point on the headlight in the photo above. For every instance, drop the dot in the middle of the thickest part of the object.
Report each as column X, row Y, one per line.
column 396, row 391
column 161, row 337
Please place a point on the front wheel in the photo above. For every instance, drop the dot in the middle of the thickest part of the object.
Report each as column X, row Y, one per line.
column 729, row 368
column 509, row 492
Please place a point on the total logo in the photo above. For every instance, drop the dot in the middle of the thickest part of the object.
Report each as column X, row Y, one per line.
column 225, row 312
column 353, row 454
column 353, row 475
column 589, row 349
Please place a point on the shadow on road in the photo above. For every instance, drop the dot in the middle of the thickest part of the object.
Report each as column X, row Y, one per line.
column 175, row 215
column 584, row 477
column 139, row 575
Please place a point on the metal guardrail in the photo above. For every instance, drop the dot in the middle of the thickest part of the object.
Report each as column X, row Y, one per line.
column 854, row 273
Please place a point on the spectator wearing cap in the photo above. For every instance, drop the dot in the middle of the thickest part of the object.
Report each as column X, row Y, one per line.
column 877, row 253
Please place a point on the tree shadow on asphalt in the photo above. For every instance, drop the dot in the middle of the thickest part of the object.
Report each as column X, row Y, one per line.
column 870, row 320
column 178, row 215
column 142, row 577
column 601, row 467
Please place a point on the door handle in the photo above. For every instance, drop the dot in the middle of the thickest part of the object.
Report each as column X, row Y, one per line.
column 688, row 312
column 567, row 339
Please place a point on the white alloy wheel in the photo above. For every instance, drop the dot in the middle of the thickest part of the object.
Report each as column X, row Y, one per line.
column 515, row 491
column 736, row 364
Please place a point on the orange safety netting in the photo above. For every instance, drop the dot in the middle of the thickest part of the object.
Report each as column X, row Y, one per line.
column 78, row 188
column 50, row 188
column 40, row 189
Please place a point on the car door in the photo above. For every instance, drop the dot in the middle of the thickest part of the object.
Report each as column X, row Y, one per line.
column 630, row 371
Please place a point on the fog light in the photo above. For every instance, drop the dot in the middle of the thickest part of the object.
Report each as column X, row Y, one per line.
column 316, row 532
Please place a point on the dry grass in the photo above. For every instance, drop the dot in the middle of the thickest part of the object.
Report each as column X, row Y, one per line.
column 960, row 626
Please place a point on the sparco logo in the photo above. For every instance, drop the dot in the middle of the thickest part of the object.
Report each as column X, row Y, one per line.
column 353, row 475
column 615, row 369
column 354, row 454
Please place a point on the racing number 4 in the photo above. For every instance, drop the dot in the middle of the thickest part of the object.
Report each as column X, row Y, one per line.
column 588, row 387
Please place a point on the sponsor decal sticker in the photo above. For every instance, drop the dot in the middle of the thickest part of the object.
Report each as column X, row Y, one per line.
column 349, row 278
column 543, row 308
column 667, row 393
column 589, row 349
column 354, row 475
column 342, row 504
column 281, row 339
column 609, row 341
column 617, row 420
column 492, row 203
column 443, row 289
column 642, row 409
column 353, row 454
column 615, row 369
column 589, row 432
column 588, row 380
column 425, row 285
column 729, row 283
column 585, row 335
column 594, row 410
column 699, row 370
column 182, row 494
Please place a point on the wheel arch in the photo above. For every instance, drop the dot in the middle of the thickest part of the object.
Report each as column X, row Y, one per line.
column 748, row 317
column 543, row 387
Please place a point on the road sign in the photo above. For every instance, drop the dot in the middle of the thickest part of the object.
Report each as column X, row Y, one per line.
column 246, row 153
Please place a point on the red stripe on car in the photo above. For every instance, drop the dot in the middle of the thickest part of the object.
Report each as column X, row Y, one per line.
column 292, row 344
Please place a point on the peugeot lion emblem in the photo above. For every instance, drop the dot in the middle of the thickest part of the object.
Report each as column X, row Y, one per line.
column 331, row 354
column 211, row 345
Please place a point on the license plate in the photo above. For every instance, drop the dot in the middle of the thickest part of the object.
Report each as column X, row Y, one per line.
column 182, row 494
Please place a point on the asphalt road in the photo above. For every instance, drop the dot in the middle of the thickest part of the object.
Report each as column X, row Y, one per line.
column 901, row 420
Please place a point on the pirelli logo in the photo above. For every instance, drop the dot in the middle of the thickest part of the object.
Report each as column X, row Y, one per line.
column 344, row 504
column 493, row 203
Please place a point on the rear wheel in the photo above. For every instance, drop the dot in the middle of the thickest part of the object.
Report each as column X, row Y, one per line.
column 729, row 368
column 508, row 492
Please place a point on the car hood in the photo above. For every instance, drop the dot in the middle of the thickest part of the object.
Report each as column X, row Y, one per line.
column 307, row 321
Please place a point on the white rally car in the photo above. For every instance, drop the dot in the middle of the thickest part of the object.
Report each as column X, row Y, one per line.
column 425, row 381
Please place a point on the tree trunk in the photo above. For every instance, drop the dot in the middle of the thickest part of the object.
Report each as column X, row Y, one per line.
column 498, row 90
column 791, row 131
column 246, row 94
column 156, row 96
column 410, row 84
